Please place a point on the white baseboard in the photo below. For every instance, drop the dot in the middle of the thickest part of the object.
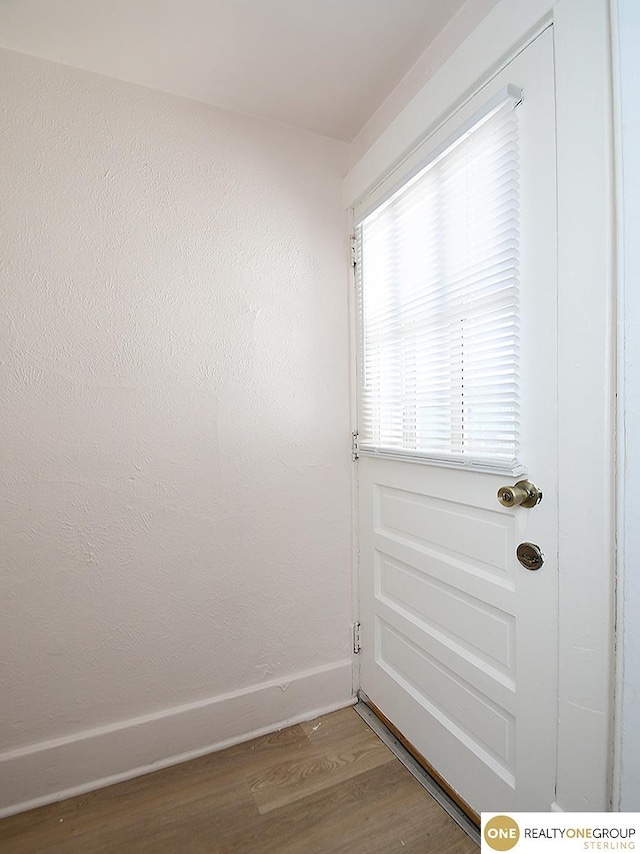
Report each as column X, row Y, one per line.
column 50, row 771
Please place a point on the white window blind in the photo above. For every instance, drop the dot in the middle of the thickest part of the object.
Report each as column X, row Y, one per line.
column 437, row 280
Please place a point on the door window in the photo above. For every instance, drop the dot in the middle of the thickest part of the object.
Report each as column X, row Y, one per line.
column 437, row 277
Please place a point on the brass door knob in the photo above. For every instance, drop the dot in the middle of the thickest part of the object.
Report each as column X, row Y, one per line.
column 523, row 494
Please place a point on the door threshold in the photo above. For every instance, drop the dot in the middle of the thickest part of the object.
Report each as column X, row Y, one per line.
column 367, row 711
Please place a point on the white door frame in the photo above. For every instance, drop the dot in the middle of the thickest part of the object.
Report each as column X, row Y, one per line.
column 586, row 351
column 625, row 27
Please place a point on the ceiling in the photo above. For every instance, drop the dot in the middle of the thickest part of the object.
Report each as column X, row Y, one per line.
column 321, row 66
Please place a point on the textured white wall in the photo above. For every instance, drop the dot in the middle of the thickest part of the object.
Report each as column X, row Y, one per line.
column 174, row 482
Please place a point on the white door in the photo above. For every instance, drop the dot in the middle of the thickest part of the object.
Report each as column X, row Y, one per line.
column 459, row 640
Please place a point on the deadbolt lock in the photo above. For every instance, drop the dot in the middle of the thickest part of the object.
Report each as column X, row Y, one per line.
column 523, row 494
column 530, row 555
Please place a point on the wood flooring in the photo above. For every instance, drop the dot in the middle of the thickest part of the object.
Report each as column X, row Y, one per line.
column 323, row 787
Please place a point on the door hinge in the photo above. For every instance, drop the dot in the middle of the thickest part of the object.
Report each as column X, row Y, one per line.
column 356, row 638
column 354, row 445
column 354, row 257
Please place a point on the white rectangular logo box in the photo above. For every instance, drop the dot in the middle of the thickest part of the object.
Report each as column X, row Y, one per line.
column 566, row 832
